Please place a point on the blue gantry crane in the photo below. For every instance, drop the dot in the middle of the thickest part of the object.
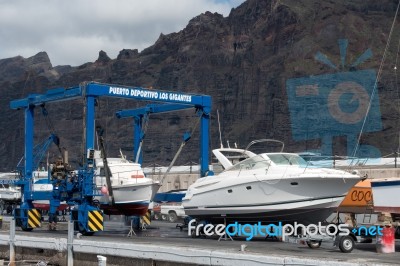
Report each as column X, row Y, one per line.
column 77, row 188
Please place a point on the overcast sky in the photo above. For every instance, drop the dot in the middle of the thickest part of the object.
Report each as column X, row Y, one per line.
column 72, row 32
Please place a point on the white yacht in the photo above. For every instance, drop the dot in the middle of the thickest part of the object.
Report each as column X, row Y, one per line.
column 268, row 188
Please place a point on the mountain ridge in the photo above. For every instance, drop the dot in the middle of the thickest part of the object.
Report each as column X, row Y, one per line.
column 243, row 61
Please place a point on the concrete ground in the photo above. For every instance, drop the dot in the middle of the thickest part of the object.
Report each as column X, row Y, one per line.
column 165, row 235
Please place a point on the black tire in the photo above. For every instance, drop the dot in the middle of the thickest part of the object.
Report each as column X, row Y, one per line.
column 86, row 233
column 157, row 216
column 2, row 206
column 83, row 231
column 346, row 244
column 313, row 244
column 193, row 234
column 172, row 217
column 26, row 229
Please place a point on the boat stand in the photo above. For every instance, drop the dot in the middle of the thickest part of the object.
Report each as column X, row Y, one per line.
column 131, row 231
column 143, row 225
column 225, row 236
column 273, row 237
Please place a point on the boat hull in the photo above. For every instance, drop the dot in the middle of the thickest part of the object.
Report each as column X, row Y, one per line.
column 130, row 200
column 45, row 205
column 315, row 211
column 128, row 209
column 250, row 200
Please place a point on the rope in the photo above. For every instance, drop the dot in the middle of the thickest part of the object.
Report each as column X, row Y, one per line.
column 219, row 129
column 83, row 142
column 376, row 81
column 107, row 121
column 50, row 126
column 145, row 126
column 397, row 90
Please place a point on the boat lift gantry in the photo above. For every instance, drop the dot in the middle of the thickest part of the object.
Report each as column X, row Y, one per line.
column 80, row 191
column 141, row 116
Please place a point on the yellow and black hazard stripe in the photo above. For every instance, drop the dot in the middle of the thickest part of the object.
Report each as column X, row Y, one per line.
column 146, row 218
column 95, row 221
column 34, row 218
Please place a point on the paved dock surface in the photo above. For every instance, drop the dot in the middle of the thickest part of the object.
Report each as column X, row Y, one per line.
column 164, row 237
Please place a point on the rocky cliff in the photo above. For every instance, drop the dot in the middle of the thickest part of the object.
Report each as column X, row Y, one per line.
column 245, row 62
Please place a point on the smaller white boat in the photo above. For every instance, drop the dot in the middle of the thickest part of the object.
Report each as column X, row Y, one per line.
column 43, row 190
column 386, row 194
column 132, row 190
column 9, row 193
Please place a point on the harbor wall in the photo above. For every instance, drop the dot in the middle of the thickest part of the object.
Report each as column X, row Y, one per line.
column 379, row 172
column 32, row 256
column 53, row 251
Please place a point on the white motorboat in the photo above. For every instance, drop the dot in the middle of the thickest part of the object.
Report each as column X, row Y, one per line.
column 131, row 189
column 9, row 193
column 268, row 188
column 43, row 190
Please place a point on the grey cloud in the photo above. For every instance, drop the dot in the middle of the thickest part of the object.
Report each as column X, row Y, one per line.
column 73, row 32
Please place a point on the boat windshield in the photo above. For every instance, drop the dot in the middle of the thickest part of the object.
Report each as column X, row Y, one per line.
column 252, row 163
column 287, row 159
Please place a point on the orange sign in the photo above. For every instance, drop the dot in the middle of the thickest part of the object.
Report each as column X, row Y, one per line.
column 359, row 196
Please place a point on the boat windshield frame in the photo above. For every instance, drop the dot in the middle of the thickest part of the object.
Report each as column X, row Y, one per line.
column 255, row 162
column 290, row 159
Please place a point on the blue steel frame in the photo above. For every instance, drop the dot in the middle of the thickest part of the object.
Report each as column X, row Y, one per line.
column 90, row 91
column 142, row 113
